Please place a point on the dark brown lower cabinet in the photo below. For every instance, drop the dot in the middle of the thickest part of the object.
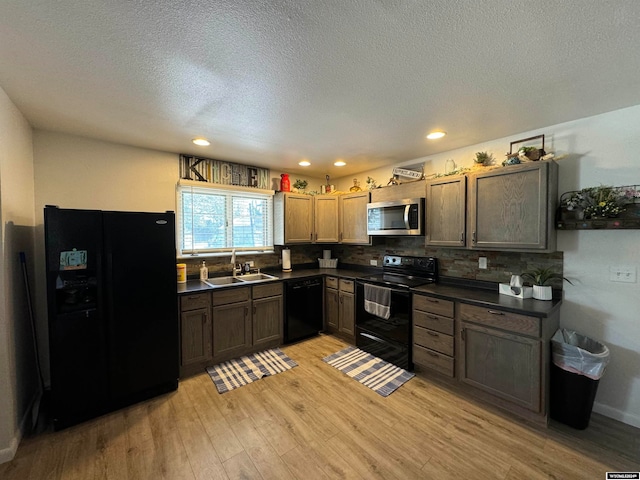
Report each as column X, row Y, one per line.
column 505, row 357
column 227, row 323
column 231, row 329
column 267, row 314
column 503, row 364
column 340, row 307
column 195, row 330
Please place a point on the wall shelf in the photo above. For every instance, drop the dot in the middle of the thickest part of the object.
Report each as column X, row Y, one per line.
column 626, row 198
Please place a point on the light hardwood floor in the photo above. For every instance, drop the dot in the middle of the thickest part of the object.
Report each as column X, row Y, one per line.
column 313, row 422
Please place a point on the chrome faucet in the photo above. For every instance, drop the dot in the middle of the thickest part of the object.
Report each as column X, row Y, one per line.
column 233, row 262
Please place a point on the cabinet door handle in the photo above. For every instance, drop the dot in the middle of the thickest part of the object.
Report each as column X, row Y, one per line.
column 246, row 311
column 432, row 300
column 462, row 238
column 493, row 312
column 311, row 237
column 473, row 237
column 433, row 354
column 433, row 334
column 463, row 334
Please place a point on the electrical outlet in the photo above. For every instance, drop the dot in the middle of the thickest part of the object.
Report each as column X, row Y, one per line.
column 625, row 274
column 251, row 264
column 482, row 262
column 373, row 263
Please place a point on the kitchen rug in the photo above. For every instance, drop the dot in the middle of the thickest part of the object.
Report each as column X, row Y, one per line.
column 380, row 376
column 241, row 371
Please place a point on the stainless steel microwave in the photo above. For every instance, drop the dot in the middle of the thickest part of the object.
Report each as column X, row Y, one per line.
column 397, row 217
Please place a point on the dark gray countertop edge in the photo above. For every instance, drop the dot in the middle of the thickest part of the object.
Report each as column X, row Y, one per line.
column 474, row 292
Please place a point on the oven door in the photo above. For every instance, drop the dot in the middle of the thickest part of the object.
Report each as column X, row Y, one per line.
column 388, row 339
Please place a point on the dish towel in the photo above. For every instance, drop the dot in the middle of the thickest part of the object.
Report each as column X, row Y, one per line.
column 377, row 300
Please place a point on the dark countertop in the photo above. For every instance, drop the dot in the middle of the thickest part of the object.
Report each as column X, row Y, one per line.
column 492, row 299
column 195, row 286
column 483, row 297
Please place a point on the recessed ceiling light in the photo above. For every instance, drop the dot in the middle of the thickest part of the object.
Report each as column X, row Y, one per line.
column 340, row 163
column 436, row 134
column 203, row 142
column 304, row 163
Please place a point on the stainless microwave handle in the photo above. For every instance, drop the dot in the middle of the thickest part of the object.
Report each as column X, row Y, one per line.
column 407, row 208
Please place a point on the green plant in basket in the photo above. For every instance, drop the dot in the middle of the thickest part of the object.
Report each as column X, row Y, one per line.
column 603, row 201
column 300, row 184
column 542, row 276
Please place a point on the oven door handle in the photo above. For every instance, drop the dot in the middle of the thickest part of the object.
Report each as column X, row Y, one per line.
column 371, row 337
column 394, row 290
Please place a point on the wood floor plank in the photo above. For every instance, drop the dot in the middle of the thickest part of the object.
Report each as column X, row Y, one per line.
column 171, row 458
column 203, row 458
column 263, row 456
column 240, row 467
column 220, row 433
column 111, row 444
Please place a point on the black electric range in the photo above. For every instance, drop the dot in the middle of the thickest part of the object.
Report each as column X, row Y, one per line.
column 386, row 333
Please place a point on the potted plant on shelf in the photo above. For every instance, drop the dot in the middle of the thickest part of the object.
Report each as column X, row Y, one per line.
column 300, row 185
column 540, row 277
column 482, row 158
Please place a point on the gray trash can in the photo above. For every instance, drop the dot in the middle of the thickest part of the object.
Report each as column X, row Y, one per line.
column 578, row 364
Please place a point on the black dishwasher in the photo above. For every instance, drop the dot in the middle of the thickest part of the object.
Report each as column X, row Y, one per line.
column 303, row 309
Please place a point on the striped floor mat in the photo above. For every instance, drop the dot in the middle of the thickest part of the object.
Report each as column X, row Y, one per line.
column 241, row 371
column 380, row 376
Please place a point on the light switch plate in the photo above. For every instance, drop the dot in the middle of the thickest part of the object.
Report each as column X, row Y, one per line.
column 622, row 273
column 373, row 263
column 482, row 262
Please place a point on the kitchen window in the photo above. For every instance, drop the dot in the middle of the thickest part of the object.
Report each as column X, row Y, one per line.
column 220, row 218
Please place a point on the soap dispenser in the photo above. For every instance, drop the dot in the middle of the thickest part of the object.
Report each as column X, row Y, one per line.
column 204, row 272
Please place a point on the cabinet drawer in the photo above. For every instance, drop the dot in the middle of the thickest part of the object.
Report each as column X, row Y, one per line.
column 433, row 360
column 231, row 295
column 267, row 290
column 433, row 340
column 512, row 322
column 433, row 322
column 331, row 282
column 433, row 305
column 347, row 286
column 194, row 301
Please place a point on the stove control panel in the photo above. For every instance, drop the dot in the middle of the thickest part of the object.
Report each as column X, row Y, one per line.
column 425, row 264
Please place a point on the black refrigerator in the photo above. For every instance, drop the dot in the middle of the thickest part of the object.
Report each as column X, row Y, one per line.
column 113, row 310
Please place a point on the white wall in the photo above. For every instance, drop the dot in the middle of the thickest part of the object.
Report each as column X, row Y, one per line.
column 599, row 150
column 18, row 377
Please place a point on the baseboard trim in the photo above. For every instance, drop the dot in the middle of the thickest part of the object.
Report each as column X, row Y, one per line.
column 7, row 454
column 624, row 417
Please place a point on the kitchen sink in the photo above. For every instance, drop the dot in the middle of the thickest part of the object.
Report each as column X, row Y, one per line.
column 217, row 281
column 252, row 277
column 255, row 277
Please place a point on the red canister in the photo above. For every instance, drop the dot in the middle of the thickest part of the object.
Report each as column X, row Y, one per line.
column 285, row 184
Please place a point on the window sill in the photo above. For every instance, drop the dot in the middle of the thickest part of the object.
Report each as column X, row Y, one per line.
column 225, row 254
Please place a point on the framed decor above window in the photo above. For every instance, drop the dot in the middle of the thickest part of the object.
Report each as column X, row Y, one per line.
column 208, row 170
column 219, row 218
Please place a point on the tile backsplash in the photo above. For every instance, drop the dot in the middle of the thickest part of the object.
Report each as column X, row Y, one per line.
column 453, row 262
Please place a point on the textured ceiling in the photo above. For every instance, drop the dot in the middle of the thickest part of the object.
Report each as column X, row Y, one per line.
column 270, row 83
